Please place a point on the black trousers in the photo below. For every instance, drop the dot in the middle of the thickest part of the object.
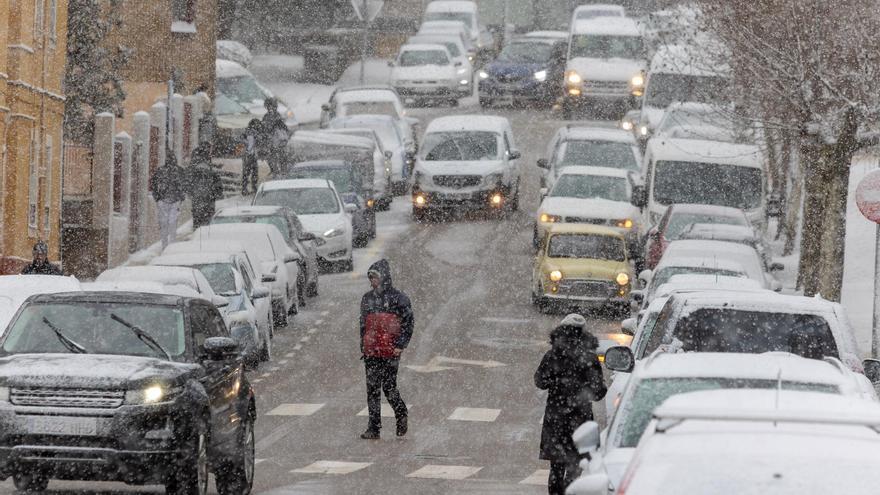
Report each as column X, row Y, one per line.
column 382, row 377
column 561, row 475
column 249, row 173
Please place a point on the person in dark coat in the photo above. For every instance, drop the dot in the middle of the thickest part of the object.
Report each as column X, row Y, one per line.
column 167, row 188
column 386, row 328
column 275, row 135
column 40, row 264
column 249, row 168
column 571, row 373
column 204, row 185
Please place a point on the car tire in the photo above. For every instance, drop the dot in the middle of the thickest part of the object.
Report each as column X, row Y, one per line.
column 190, row 473
column 30, row 482
column 279, row 316
column 373, row 227
column 301, row 290
column 383, row 204
column 266, row 351
column 419, row 215
column 236, row 475
column 453, row 102
column 514, row 202
column 535, row 240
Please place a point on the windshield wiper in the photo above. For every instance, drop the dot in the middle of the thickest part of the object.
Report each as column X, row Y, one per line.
column 142, row 336
column 65, row 340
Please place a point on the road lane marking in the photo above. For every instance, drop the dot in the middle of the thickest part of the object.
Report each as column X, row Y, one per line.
column 257, row 461
column 282, row 362
column 387, row 412
column 474, row 414
column 539, row 477
column 265, row 375
column 325, row 313
column 295, row 410
column 305, row 339
column 312, row 330
column 274, row 369
column 318, row 322
column 437, row 471
column 289, row 355
column 470, row 362
column 332, row 467
column 297, row 347
column 428, row 368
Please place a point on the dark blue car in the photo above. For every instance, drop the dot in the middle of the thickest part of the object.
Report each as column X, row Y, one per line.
column 528, row 69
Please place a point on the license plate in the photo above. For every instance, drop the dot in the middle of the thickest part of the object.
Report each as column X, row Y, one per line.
column 57, row 425
column 458, row 196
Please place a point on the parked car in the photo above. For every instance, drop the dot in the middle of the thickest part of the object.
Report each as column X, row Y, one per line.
column 592, row 11
column 392, row 141
column 464, row 11
column 372, row 100
column 248, row 319
column 589, row 146
column 707, row 264
column 591, row 195
column 347, row 180
column 170, row 276
column 678, row 218
column 456, row 49
column 302, row 242
column 321, row 211
column 745, row 255
column 427, row 73
column 739, row 234
column 582, row 266
column 132, row 387
column 239, row 85
column 14, row 289
column 466, row 161
column 235, row 52
column 654, row 380
column 528, row 69
column 454, row 28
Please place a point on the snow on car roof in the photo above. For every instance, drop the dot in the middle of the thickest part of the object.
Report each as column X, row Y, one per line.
column 587, row 133
column 703, row 151
column 276, row 185
column 719, row 232
column 324, row 137
column 766, row 301
column 348, row 95
column 686, row 60
column 203, row 245
column 703, row 209
column 584, row 228
column 555, row 35
column 367, row 119
column 698, row 281
column 451, row 6
column 423, row 47
column 228, row 68
column 191, row 259
column 143, row 286
column 14, row 289
column 468, row 123
column 234, row 51
column 257, row 210
column 166, row 275
column 600, row 6
column 613, row 26
column 722, row 248
column 601, row 171
column 705, row 261
column 767, row 366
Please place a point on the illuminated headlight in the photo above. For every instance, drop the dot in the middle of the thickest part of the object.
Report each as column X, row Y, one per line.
column 419, row 200
column 547, row 218
column 464, row 82
column 626, row 125
column 541, row 76
column 555, row 276
column 643, row 130
column 572, row 77
column 470, row 58
column 637, row 81
column 150, row 395
column 483, row 74
column 622, row 279
column 493, row 179
column 371, row 203
column 496, row 199
column 625, row 223
column 335, row 232
column 290, row 114
column 461, row 71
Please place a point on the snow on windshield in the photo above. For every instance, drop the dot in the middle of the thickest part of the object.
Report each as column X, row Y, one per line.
column 590, row 187
column 306, row 201
column 708, row 183
column 599, row 154
column 607, row 46
column 460, row 146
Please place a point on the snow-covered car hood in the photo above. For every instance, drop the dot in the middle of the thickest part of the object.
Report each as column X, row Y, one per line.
column 651, row 116
column 589, row 208
column 616, row 461
column 614, row 69
column 477, row 167
column 234, row 121
column 318, row 224
column 422, row 73
column 89, row 371
column 515, row 70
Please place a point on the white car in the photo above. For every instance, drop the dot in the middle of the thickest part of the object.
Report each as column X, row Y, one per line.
column 239, row 85
column 454, row 28
column 372, row 100
column 266, row 246
column 321, row 211
column 785, row 442
column 466, row 161
column 423, row 73
column 165, row 275
column 747, row 256
column 464, row 11
column 392, row 141
column 593, row 195
column 593, row 11
column 14, row 289
column 589, row 146
column 456, row 49
column 654, row 380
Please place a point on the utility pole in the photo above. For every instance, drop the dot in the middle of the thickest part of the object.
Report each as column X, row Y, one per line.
column 364, row 40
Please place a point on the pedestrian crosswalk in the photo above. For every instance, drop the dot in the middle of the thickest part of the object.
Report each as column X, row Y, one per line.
column 428, row 471
column 295, row 410
column 438, row 471
column 332, row 467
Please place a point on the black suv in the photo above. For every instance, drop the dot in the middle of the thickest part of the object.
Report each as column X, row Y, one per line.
column 116, row 386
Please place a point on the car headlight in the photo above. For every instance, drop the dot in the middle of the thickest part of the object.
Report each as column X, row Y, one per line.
column 483, row 74
column 626, row 125
column 464, row 82
column 643, row 130
column 493, row 179
column 334, row 232
column 622, row 279
column 461, row 71
column 547, row 218
column 555, row 276
column 541, row 76
column 625, row 223
column 290, row 114
column 150, row 395
column 637, row 81
column 572, row 77
column 470, row 58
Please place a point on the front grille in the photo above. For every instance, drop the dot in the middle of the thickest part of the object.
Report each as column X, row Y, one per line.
column 424, row 82
column 593, row 221
column 510, row 78
column 587, row 288
column 614, row 87
column 458, row 181
column 67, row 397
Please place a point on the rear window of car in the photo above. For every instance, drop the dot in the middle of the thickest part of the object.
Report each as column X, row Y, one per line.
column 277, row 221
column 678, row 223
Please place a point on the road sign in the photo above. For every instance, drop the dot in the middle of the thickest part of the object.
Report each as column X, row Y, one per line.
column 372, row 8
column 868, row 196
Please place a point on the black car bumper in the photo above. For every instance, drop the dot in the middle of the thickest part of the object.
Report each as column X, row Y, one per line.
column 523, row 90
column 465, row 200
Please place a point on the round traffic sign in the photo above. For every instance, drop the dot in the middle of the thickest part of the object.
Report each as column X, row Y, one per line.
column 868, row 196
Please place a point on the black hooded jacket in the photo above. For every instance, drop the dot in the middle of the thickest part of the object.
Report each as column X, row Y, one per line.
column 387, row 300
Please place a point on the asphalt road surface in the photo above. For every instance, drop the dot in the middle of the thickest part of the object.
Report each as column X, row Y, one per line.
column 475, row 414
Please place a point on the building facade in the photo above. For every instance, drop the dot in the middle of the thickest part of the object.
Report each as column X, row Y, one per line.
column 33, row 41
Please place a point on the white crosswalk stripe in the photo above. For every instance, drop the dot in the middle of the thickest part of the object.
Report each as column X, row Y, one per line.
column 436, row 471
column 295, row 410
column 474, row 414
column 332, row 467
column 539, row 477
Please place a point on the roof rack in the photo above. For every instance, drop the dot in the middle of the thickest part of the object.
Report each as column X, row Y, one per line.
column 672, row 418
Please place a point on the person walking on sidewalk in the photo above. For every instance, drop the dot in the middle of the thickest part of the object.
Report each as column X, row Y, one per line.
column 166, row 185
column 275, row 135
column 249, row 168
column 571, row 373
column 386, row 328
column 204, row 185
column 41, row 265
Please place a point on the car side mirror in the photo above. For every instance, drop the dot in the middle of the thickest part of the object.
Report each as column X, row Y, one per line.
column 544, row 191
column 620, row 358
column 639, row 196
column 391, row 63
column 220, row 348
column 260, row 292
column 219, row 301
column 586, row 437
column 514, row 155
column 637, row 296
column 350, row 208
column 645, row 277
column 307, row 236
column 292, row 258
column 628, row 327
column 872, row 370
column 268, row 277
column 542, row 163
column 777, row 267
column 389, row 154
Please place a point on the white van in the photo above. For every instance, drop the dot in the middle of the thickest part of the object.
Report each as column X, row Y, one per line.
column 704, row 172
column 458, row 10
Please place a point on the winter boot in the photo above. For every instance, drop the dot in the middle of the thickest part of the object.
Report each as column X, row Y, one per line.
column 370, row 434
column 402, row 426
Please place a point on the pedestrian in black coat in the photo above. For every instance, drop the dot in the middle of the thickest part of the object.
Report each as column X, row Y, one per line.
column 571, row 373
column 204, row 185
column 41, row 265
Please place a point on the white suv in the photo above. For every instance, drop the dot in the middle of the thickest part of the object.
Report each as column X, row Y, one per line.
column 428, row 73
column 466, row 161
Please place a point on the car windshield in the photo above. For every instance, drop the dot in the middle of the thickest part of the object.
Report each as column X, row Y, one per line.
column 340, row 177
column 460, row 146
column 451, row 46
column 664, row 274
column 589, row 246
column 590, row 187
column 528, row 52
column 303, row 201
column 607, row 46
column 664, row 88
column 89, row 325
column 593, row 13
column 599, row 154
column 708, row 183
column 694, row 119
column 466, row 17
column 224, row 105
column 220, row 276
column 241, row 89
column 680, row 222
column 275, row 220
column 635, row 412
column 415, row 58
column 369, row 108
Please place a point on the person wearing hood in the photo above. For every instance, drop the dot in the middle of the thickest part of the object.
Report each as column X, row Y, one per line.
column 571, row 373
column 41, row 265
column 275, row 134
column 204, row 185
column 386, row 328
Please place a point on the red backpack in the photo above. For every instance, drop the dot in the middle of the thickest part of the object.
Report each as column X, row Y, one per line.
column 381, row 332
